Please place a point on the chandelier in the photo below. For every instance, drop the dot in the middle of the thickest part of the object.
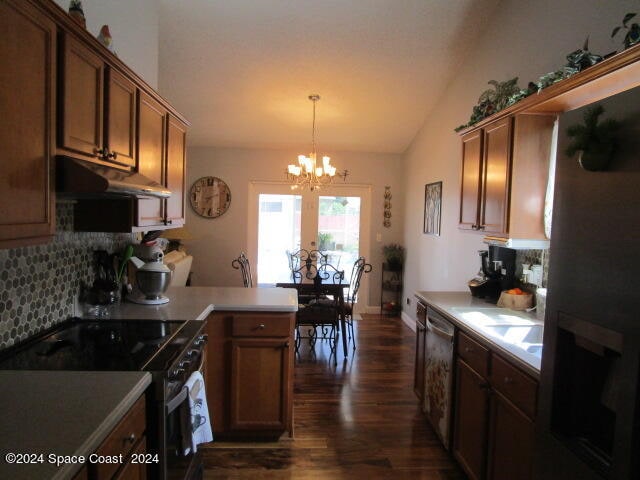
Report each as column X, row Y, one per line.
column 307, row 173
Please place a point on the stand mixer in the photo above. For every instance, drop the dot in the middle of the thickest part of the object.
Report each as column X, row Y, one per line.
column 152, row 276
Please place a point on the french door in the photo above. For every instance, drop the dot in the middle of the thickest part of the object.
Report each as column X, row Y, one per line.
column 334, row 219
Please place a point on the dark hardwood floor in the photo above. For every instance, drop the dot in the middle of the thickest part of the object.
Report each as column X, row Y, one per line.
column 359, row 419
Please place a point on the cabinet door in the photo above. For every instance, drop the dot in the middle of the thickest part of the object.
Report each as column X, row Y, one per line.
column 471, row 180
column 120, row 132
column 470, row 431
column 418, row 373
column 134, row 471
column 82, row 109
column 511, row 442
column 27, row 100
column 151, row 142
column 259, row 384
column 176, row 165
column 494, row 208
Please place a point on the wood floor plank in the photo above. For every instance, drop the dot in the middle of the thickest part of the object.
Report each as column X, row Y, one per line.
column 358, row 419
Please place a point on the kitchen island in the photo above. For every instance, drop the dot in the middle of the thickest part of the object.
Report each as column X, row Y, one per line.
column 60, row 413
column 196, row 303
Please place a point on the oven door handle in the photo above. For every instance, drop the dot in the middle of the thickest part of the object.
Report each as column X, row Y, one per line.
column 175, row 402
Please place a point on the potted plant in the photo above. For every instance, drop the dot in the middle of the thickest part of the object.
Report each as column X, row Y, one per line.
column 633, row 31
column 393, row 256
column 594, row 142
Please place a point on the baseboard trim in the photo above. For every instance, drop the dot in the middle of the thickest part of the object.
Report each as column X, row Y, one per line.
column 409, row 322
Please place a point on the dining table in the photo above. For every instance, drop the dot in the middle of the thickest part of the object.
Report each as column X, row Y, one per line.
column 315, row 289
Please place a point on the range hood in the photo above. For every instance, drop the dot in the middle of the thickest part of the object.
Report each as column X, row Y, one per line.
column 79, row 179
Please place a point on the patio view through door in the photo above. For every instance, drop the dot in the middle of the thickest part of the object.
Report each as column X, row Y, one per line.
column 334, row 220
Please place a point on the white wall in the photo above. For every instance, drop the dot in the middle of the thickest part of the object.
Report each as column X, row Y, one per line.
column 525, row 39
column 134, row 27
column 217, row 241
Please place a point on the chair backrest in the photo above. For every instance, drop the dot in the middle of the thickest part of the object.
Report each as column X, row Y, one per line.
column 305, row 264
column 360, row 266
column 327, row 273
column 242, row 263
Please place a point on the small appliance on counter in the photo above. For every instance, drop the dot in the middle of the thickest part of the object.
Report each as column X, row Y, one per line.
column 497, row 273
column 152, row 276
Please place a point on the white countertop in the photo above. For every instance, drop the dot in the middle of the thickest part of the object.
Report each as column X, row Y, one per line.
column 61, row 413
column 195, row 303
column 516, row 334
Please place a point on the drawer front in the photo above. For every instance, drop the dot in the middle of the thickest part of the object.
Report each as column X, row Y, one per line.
column 122, row 439
column 262, row 325
column 515, row 385
column 476, row 356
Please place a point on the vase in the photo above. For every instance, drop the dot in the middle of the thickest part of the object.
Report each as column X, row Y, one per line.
column 595, row 160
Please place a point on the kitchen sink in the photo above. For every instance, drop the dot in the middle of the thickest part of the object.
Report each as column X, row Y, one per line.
column 516, row 333
column 492, row 316
column 535, row 349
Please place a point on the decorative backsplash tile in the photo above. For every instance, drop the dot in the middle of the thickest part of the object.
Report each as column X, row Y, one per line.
column 533, row 257
column 38, row 284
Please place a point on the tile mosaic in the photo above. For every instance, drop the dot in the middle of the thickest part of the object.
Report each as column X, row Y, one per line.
column 38, row 284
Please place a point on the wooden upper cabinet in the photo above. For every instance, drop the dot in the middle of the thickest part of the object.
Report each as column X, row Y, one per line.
column 120, row 131
column 152, row 119
column 27, row 140
column 495, row 177
column 471, row 180
column 505, row 169
column 98, row 109
column 176, row 166
column 80, row 127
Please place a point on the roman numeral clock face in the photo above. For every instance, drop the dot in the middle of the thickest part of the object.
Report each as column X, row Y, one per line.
column 210, row 197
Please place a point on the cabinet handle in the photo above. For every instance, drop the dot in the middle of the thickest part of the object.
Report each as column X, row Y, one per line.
column 481, row 227
column 468, row 349
column 112, row 155
column 261, row 326
column 131, row 438
column 100, row 152
column 168, row 221
column 286, row 344
column 508, row 380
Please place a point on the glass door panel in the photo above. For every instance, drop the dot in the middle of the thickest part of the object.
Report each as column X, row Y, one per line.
column 339, row 231
column 279, row 229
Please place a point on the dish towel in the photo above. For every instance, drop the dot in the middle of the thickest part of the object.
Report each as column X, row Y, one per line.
column 198, row 428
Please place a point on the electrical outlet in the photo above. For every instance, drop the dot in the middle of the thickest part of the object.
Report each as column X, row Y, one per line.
column 408, row 301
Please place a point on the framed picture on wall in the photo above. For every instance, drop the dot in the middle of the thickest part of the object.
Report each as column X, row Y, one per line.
column 432, row 208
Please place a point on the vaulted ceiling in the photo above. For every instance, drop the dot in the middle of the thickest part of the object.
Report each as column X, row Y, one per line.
column 241, row 70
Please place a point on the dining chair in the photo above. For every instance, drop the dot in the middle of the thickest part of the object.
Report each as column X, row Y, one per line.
column 360, row 266
column 242, row 263
column 304, row 264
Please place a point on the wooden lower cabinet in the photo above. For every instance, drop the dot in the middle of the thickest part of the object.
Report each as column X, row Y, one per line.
column 494, row 416
column 470, row 430
column 128, row 437
column 511, row 441
column 250, row 374
column 259, row 369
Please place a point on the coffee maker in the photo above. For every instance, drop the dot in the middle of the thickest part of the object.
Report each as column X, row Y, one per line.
column 497, row 273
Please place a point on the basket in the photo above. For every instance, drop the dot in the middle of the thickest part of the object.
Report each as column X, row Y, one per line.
column 515, row 302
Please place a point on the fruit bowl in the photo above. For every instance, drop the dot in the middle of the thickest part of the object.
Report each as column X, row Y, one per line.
column 515, row 299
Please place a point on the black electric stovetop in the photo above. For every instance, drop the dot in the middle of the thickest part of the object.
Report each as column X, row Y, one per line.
column 94, row 345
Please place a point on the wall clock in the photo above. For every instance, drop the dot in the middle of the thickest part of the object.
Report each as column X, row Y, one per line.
column 209, row 197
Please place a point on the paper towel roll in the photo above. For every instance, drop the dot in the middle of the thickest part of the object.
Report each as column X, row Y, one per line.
column 181, row 266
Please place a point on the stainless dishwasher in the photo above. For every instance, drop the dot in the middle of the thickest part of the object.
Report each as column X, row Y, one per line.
column 438, row 373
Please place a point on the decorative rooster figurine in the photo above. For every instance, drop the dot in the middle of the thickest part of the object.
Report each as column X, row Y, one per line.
column 105, row 38
column 76, row 12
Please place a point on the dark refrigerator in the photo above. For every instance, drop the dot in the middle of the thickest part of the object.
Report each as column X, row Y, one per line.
column 588, row 423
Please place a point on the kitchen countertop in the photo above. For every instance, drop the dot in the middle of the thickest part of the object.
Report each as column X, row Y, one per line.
column 195, row 303
column 61, row 413
column 515, row 334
